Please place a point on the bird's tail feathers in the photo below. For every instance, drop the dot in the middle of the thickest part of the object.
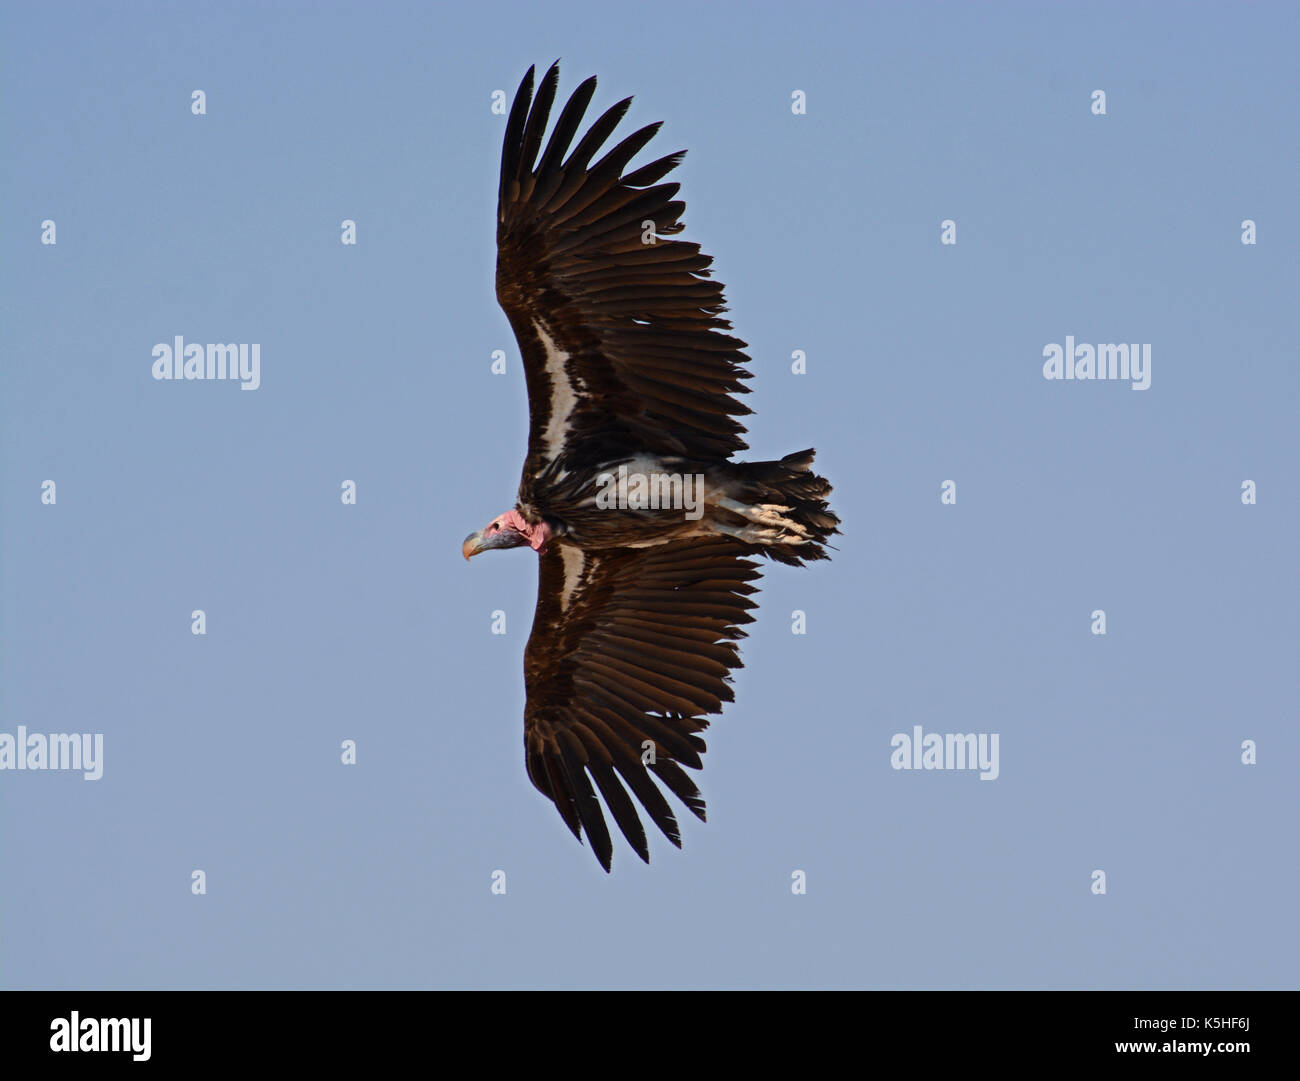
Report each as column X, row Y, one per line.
column 780, row 507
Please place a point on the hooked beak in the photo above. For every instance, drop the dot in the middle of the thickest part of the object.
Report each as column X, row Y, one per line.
column 483, row 540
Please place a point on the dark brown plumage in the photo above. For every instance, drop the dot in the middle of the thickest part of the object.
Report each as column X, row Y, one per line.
column 619, row 683
column 628, row 364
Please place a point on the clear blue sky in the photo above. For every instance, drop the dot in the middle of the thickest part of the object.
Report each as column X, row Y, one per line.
column 1119, row 753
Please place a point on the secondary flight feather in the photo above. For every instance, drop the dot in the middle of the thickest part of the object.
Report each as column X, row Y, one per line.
column 645, row 529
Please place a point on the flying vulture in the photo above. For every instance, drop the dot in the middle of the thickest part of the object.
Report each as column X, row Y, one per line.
column 644, row 527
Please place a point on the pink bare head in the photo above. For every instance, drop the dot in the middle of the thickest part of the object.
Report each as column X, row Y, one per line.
column 508, row 530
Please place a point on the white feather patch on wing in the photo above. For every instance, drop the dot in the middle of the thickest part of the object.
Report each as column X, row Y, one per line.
column 564, row 396
column 574, row 563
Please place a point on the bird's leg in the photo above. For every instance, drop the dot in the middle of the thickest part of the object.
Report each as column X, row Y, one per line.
column 768, row 514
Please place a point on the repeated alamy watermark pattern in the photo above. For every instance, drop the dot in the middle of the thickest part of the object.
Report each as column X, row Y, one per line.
column 82, row 751
column 633, row 490
column 1109, row 361
column 946, row 750
column 213, row 361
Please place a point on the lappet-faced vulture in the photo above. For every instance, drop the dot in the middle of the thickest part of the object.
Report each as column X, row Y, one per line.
column 646, row 531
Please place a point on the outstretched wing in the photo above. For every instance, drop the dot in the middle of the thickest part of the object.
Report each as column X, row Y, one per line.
column 629, row 649
column 619, row 329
